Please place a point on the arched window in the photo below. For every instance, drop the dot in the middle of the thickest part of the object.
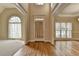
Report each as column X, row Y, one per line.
column 15, row 27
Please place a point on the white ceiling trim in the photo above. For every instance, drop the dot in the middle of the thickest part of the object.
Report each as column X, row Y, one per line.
column 20, row 8
column 56, row 8
column 68, row 15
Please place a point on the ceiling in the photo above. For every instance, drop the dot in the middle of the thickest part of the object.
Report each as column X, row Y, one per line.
column 63, row 9
column 71, row 9
column 21, row 7
column 6, row 5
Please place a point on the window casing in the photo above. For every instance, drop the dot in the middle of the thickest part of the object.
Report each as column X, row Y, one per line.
column 63, row 30
column 15, row 27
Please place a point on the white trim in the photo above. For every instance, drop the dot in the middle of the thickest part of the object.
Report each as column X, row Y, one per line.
column 20, row 8
column 43, row 30
column 15, row 23
column 56, row 8
column 67, row 15
column 39, row 4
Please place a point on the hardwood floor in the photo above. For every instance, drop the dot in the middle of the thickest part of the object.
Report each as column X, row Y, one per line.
column 62, row 48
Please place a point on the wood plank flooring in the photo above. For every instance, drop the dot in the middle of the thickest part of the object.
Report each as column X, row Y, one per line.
column 61, row 48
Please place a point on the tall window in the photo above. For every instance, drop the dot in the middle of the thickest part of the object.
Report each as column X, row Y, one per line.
column 14, row 27
column 63, row 30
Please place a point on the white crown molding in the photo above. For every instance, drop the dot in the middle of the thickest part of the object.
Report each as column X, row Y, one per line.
column 20, row 8
column 56, row 8
column 39, row 4
column 68, row 15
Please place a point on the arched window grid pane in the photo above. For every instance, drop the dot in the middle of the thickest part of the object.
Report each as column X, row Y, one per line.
column 14, row 19
column 63, row 30
column 15, row 27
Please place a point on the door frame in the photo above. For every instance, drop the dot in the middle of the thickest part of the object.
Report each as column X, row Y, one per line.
column 43, row 17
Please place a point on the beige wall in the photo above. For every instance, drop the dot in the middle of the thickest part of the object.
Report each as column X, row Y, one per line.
column 0, row 25
column 52, row 29
column 75, row 24
column 28, row 22
column 4, row 17
column 44, row 12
